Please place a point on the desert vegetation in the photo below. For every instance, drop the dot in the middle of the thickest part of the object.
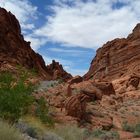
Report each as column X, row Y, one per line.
column 135, row 129
column 16, row 98
column 8, row 132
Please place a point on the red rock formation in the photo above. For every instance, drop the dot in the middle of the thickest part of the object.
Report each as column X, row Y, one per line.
column 69, row 90
column 14, row 50
column 76, row 79
column 133, row 81
column 76, row 105
column 116, row 58
column 57, row 71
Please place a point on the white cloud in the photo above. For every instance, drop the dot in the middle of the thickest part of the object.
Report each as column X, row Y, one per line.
column 23, row 10
column 69, row 52
column 66, row 51
column 47, row 59
column 75, row 72
column 89, row 24
column 36, row 42
column 28, row 26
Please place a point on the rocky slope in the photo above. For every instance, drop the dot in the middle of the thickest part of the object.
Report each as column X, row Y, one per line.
column 95, row 105
column 116, row 58
column 14, row 50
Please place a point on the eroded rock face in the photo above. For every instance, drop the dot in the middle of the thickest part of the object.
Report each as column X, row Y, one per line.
column 117, row 58
column 14, row 50
column 76, row 105
column 58, row 72
column 76, row 79
column 126, row 84
column 133, row 81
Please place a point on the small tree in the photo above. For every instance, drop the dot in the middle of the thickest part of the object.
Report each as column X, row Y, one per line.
column 15, row 97
column 42, row 112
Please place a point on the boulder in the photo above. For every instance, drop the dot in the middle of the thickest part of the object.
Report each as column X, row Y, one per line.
column 76, row 106
column 133, row 81
column 76, row 79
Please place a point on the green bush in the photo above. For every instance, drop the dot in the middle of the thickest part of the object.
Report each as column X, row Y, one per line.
column 60, row 81
column 132, row 128
column 15, row 97
column 24, row 71
column 113, row 135
column 128, row 127
column 137, row 130
column 42, row 112
column 97, row 133
column 8, row 132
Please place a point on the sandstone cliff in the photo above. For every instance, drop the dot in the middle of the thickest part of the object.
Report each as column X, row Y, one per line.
column 14, row 50
column 116, row 58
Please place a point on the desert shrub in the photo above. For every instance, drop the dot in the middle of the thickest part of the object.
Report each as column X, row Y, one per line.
column 42, row 112
column 74, row 133
column 34, row 72
column 31, row 132
column 113, row 135
column 127, row 127
column 15, row 97
column 105, row 134
column 60, row 81
column 137, row 130
column 30, row 121
column 132, row 128
column 69, row 132
column 51, row 136
column 8, row 132
column 23, row 71
column 97, row 133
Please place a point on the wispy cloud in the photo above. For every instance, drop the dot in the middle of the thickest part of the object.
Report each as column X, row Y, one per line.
column 77, row 23
column 75, row 71
column 23, row 10
column 36, row 42
column 90, row 24
column 66, row 51
column 71, row 52
column 26, row 13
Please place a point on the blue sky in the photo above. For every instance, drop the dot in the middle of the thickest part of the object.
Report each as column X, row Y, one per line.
column 70, row 31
